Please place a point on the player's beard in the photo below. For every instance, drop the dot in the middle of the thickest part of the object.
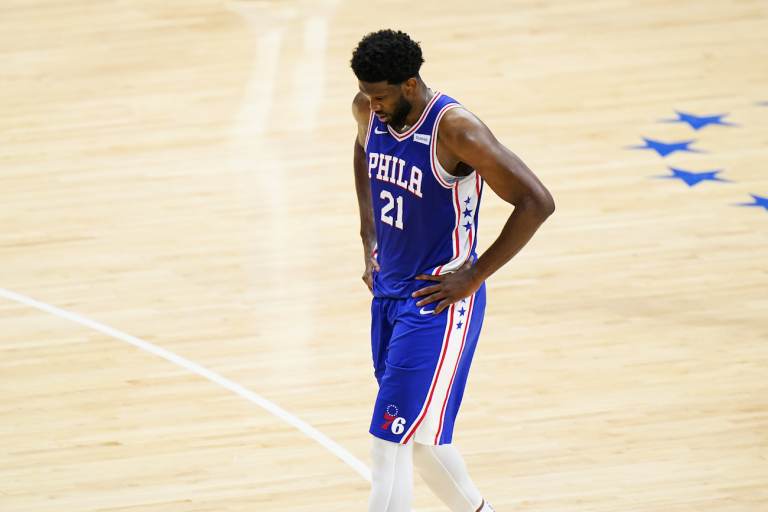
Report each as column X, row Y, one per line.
column 402, row 109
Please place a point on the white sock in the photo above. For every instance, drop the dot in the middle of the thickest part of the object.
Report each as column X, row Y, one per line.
column 444, row 471
column 391, row 477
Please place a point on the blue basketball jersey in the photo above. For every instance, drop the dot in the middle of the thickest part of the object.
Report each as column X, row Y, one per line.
column 426, row 219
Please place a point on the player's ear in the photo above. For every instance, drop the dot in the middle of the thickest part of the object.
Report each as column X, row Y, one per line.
column 410, row 86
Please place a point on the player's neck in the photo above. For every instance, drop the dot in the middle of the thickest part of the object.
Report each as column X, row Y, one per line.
column 425, row 94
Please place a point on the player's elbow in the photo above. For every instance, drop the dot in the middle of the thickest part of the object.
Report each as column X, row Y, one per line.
column 547, row 204
column 540, row 203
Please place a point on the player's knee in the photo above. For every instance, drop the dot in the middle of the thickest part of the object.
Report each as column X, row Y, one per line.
column 421, row 456
column 383, row 453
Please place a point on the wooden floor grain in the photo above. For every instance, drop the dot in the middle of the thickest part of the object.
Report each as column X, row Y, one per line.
column 181, row 171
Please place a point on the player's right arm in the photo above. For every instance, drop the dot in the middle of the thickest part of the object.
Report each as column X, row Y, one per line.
column 361, row 109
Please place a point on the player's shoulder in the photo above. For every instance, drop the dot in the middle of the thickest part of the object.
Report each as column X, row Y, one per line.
column 361, row 108
column 458, row 124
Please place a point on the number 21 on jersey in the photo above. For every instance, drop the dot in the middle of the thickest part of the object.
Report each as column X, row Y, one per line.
column 386, row 216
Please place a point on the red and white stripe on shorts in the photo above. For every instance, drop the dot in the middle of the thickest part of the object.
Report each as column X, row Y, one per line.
column 428, row 426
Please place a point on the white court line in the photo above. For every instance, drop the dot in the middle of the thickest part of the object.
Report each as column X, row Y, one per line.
column 193, row 367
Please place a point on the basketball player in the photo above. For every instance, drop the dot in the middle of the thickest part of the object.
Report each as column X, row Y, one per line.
column 421, row 162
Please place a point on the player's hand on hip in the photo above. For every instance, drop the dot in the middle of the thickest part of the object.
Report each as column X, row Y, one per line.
column 371, row 266
column 450, row 288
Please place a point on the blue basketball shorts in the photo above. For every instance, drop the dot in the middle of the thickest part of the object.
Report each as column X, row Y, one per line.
column 421, row 361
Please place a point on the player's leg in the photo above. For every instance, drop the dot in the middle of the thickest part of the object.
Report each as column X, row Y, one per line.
column 439, row 463
column 444, row 471
column 391, row 462
column 462, row 326
column 420, row 390
column 405, row 357
column 391, row 477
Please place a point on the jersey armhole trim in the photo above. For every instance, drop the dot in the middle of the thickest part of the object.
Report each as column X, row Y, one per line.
column 443, row 177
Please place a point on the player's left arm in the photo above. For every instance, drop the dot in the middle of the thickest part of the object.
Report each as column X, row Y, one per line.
column 467, row 139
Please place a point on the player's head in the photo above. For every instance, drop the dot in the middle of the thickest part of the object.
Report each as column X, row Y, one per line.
column 387, row 65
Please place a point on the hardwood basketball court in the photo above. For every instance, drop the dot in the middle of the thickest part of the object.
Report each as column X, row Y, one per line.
column 177, row 181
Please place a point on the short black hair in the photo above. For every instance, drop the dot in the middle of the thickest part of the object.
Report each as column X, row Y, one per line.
column 387, row 55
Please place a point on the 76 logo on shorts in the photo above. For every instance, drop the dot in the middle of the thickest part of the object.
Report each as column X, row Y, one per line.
column 391, row 420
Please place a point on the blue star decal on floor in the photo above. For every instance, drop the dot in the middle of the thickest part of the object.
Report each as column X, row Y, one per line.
column 693, row 178
column 467, row 226
column 759, row 201
column 467, row 212
column 667, row 148
column 698, row 122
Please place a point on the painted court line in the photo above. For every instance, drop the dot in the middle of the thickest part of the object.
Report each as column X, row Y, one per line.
column 202, row 371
